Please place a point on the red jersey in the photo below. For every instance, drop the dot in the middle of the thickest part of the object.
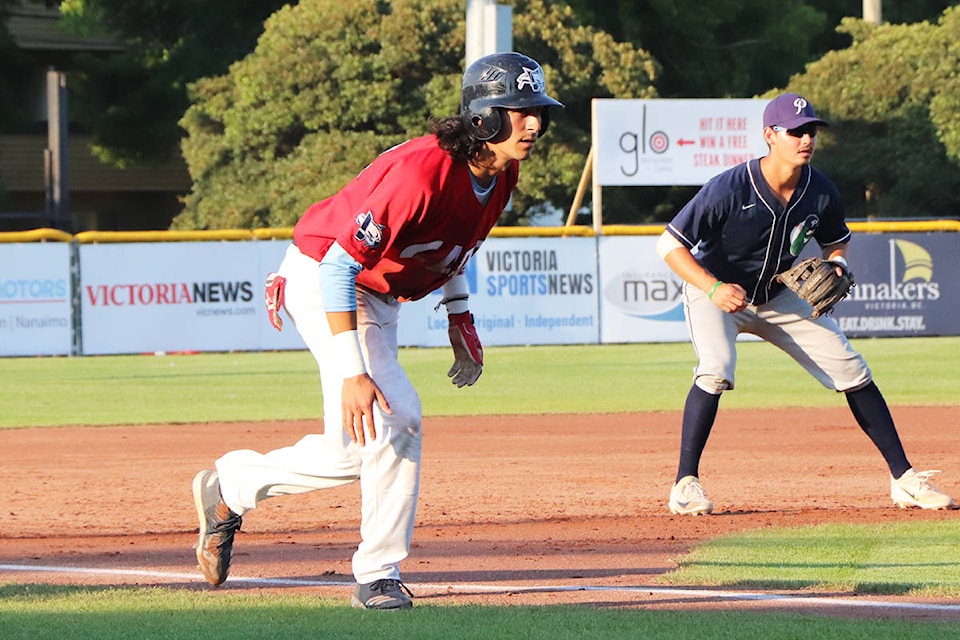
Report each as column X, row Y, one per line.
column 411, row 218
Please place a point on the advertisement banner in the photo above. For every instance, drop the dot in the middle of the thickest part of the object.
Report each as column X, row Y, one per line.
column 640, row 297
column 906, row 285
column 522, row 291
column 208, row 296
column 673, row 142
column 183, row 296
column 36, row 316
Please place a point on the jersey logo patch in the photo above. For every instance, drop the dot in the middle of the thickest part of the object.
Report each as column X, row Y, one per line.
column 369, row 232
column 800, row 235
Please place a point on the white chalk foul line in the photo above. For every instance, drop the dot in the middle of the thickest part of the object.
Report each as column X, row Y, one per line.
column 755, row 596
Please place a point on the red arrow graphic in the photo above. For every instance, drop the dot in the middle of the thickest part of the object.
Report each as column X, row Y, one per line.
column 683, row 142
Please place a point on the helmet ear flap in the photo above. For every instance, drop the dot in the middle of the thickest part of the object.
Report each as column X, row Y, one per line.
column 544, row 121
column 484, row 123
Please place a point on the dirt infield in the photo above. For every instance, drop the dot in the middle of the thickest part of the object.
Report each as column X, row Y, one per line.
column 513, row 510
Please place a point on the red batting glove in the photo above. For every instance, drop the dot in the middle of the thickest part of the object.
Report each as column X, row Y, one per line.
column 274, row 298
column 467, row 351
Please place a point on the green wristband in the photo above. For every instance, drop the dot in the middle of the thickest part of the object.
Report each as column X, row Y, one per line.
column 714, row 289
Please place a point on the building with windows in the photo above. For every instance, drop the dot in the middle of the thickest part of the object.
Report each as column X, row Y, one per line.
column 48, row 175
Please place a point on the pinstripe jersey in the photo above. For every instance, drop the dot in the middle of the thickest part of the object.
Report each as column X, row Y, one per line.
column 744, row 235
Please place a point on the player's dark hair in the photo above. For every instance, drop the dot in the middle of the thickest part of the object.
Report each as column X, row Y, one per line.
column 454, row 138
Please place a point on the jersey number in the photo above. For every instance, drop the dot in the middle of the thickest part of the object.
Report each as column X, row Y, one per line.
column 454, row 261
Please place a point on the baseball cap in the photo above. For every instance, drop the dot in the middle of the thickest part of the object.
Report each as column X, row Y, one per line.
column 789, row 110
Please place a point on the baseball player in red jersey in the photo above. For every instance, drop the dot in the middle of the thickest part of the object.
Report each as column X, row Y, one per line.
column 728, row 244
column 404, row 227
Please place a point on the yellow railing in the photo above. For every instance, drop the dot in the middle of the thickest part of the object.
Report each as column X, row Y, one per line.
column 285, row 233
column 36, row 235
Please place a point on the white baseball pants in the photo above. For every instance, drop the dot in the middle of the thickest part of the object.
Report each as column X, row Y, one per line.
column 388, row 468
column 817, row 344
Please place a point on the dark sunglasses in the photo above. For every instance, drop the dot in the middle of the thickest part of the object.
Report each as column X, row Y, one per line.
column 808, row 129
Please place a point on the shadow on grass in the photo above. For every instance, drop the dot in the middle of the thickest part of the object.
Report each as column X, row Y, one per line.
column 689, row 572
column 11, row 591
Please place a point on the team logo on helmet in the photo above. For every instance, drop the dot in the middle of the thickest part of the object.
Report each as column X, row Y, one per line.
column 369, row 232
column 800, row 104
column 532, row 78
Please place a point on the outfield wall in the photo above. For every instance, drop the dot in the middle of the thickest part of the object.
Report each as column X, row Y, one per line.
column 117, row 293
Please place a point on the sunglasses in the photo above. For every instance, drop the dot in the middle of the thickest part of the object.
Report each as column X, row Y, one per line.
column 810, row 129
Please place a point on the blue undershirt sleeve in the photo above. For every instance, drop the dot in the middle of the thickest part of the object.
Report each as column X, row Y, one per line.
column 338, row 279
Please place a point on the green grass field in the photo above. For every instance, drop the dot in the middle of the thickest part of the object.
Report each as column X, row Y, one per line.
column 48, row 613
column 516, row 380
column 42, row 613
column 916, row 559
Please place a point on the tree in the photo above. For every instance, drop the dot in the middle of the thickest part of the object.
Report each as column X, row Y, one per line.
column 892, row 99
column 130, row 102
column 740, row 48
column 735, row 48
column 330, row 85
column 717, row 49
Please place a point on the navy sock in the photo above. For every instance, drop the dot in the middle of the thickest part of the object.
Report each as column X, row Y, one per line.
column 699, row 412
column 872, row 414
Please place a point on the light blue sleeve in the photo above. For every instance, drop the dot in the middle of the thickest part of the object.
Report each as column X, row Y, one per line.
column 338, row 279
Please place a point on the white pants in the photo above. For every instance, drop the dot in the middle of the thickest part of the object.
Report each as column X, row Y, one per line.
column 817, row 344
column 388, row 468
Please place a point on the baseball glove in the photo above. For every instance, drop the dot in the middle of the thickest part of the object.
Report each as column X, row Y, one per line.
column 818, row 282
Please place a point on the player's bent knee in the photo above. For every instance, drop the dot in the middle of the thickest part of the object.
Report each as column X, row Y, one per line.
column 713, row 385
column 406, row 418
column 856, row 387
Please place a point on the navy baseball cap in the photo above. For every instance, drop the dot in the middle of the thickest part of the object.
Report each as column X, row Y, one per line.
column 789, row 110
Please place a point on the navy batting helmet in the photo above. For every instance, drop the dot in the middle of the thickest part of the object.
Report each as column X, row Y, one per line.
column 502, row 81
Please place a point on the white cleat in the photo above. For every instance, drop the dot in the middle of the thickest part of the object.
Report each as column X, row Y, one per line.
column 687, row 497
column 913, row 489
